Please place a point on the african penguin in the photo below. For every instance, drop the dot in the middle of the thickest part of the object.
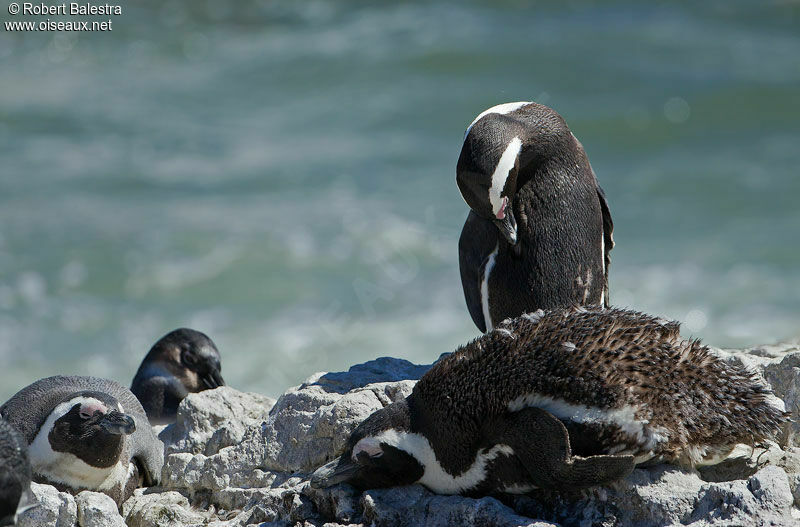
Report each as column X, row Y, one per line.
column 86, row 433
column 564, row 399
column 183, row 361
column 15, row 475
column 539, row 231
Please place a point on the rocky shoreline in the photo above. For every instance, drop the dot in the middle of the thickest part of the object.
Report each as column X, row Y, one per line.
column 237, row 459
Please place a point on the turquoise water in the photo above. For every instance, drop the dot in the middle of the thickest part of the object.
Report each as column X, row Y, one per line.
column 280, row 175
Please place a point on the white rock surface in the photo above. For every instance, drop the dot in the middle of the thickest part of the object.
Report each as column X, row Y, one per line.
column 55, row 508
column 97, row 510
column 160, row 509
column 309, row 425
column 667, row 496
column 210, row 420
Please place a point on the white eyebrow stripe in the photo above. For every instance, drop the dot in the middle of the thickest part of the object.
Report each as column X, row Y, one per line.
column 500, row 108
column 501, row 172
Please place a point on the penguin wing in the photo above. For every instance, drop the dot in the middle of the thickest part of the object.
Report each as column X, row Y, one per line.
column 608, row 238
column 478, row 240
column 148, row 452
column 541, row 443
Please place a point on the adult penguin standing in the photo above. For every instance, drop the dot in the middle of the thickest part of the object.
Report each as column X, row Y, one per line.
column 539, row 231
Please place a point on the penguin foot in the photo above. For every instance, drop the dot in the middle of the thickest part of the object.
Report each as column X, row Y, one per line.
column 581, row 472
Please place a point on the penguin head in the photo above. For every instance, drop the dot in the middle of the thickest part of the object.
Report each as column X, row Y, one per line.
column 376, row 455
column 487, row 172
column 500, row 143
column 191, row 356
column 90, row 425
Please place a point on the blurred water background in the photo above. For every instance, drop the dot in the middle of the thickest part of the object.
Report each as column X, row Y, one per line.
column 280, row 175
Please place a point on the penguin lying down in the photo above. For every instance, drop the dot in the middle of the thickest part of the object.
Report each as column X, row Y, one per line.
column 183, row 361
column 563, row 400
column 86, row 433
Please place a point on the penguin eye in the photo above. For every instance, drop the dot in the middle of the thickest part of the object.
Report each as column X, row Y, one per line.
column 366, row 449
column 188, row 358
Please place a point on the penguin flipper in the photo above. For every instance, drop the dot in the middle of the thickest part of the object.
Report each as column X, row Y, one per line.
column 549, row 461
column 478, row 240
column 147, row 450
column 608, row 239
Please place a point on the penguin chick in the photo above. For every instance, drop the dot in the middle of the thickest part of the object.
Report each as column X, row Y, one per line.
column 563, row 400
column 86, row 433
column 539, row 231
column 15, row 475
column 183, row 361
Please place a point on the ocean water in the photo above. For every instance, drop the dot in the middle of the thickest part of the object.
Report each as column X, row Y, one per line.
column 280, row 175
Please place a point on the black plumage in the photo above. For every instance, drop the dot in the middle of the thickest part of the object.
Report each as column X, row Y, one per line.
column 565, row 399
column 181, row 362
column 15, row 474
column 539, row 231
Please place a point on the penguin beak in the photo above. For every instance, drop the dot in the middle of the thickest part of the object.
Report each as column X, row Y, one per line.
column 507, row 226
column 213, row 378
column 337, row 471
column 115, row 422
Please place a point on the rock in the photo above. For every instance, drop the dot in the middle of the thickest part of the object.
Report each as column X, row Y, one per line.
column 383, row 369
column 770, row 487
column 160, row 509
column 784, row 377
column 412, row 506
column 97, row 510
column 666, row 495
column 794, row 484
column 210, row 420
column 237, row 466
column 309, row 425
column 55, row 508
column 340, row 502
column 744, row 462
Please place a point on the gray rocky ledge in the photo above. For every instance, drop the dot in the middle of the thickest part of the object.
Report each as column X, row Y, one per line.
column 238, row 459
